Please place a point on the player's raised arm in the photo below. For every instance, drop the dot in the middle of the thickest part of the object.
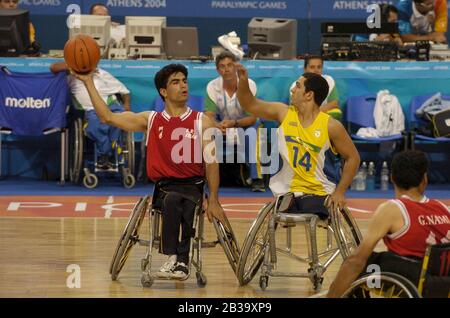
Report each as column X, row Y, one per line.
column 259, row 108
column 128, row 121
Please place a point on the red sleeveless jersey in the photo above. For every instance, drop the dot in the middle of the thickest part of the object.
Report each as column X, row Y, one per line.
column 174, row 146
column 426, row 222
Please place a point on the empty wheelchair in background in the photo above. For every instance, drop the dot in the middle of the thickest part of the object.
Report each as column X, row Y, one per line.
column 434, row 280
column 131, row 236
column 83, row 156
column 260, row 250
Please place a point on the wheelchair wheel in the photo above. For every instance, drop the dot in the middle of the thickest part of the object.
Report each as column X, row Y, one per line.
column 128, row 151
column 129, row 237
column 252, row 254
column 382, row 285
column 347, row 233
column 228, row 241
column 90, row 181
column 76, row 141
column 129, row 181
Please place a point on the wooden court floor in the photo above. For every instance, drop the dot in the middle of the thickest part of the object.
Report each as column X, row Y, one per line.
column 38, row 254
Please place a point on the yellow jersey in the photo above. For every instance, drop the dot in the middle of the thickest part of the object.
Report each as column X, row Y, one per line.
column 308, row 160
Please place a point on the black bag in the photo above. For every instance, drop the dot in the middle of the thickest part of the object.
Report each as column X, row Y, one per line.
column 441, row 123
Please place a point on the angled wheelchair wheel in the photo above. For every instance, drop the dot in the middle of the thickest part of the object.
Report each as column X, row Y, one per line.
column 382, row 285
column 252, row 253
column 347, row 233
column 228, row 241
column 129, row 237
column 76, row 150
column 128, row 151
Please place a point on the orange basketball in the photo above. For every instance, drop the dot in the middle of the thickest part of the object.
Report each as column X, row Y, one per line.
column 82, row 53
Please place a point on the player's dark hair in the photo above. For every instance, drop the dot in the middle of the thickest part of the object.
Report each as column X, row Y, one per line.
column 163, row 75
column 408, row 168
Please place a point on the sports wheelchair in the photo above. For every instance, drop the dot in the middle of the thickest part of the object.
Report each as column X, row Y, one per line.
column 82, row 155
column 433, row 281
column 130, row 237
column 260, row 249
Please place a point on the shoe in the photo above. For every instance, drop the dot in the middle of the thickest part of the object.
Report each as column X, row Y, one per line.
column 166, row 270
column 258, row 185
column 180, row 271
column 103, row 162
column 231, row 42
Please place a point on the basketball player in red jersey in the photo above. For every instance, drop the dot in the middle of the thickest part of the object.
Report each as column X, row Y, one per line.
column 176, row 160
column 406, row 224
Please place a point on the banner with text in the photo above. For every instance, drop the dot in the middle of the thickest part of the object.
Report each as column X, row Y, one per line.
column 176, row 8
column 51, row 7
column 343, row 9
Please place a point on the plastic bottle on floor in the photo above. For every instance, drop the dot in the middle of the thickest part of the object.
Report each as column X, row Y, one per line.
column 361, row 177
column 370, row 180
column 384, row 184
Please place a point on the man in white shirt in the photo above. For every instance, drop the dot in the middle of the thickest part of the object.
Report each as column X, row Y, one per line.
column 108, row 87
column 423, row 20
column 222, row 105
column 117, row 30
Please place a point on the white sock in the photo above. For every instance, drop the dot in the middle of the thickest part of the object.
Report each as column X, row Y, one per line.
column 173, row 258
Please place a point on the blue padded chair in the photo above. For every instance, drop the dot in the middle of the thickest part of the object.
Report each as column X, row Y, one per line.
column 359, row 113
column 194, row 102
column 24, row 110
column 416, row 122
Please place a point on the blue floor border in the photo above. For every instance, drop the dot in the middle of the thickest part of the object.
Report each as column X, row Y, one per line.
column 24, row 187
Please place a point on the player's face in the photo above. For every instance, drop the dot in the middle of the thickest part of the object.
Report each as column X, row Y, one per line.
column 298, row 92
column 392, row 17
column 314, row 66
column 226, row 69
column 177, row 89
column 8, row 4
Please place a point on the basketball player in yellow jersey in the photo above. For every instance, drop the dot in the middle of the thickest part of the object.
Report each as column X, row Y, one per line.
column 308, row 139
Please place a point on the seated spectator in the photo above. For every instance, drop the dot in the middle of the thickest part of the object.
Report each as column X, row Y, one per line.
column 13, row 4
column 314, row 64
column 389, row 14
column 406, row 224
column 108, row 87
column 423, row 20
column 222, row 104
column 117, row 30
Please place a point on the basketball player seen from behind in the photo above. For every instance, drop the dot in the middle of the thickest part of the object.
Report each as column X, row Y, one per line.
column 171, row 83
column 308, row 142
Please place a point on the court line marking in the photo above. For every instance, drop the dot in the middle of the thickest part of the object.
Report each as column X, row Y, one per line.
column 80, row 207
column 108, row 211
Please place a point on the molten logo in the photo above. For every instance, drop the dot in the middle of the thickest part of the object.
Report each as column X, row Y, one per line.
column 28, row 102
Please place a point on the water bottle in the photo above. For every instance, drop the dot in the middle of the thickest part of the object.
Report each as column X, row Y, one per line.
column 384, row 177
column 370, row 180
column 361, row 177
